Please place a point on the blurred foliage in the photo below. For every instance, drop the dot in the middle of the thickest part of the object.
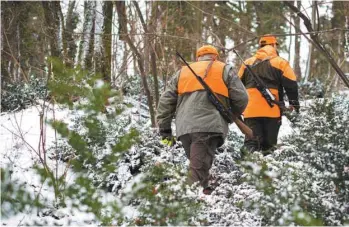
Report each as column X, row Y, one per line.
column 18, row 96
column 14, row 196
column 92, row 146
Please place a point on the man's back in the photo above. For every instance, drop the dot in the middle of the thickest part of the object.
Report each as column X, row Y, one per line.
column 276, row 74
column 194, row 111
column 199, row 125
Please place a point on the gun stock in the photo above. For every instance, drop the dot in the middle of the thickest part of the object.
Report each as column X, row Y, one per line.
column 244, row 128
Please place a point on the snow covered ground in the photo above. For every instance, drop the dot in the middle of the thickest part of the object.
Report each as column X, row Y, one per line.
column 20, row 139
column 20, row 142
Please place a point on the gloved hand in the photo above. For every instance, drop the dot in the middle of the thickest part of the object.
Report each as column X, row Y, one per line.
column 294, row 105
column 166, row 137
column 169, row 141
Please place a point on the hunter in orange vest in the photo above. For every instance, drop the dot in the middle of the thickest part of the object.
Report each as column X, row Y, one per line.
column 199, row 125
column 278, row 76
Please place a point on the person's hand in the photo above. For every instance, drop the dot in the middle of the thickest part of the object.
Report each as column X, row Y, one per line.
column 294, row 108
column 167, row 138
column 169, row 141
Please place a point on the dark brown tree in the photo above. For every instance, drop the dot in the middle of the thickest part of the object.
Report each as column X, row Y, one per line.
column 120, row 6
column 107, row 40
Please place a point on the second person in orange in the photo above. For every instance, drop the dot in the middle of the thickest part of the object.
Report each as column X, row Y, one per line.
column 278, row 76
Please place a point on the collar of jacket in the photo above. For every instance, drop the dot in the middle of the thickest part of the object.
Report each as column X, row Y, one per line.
column 205, row 58
column 266, row 51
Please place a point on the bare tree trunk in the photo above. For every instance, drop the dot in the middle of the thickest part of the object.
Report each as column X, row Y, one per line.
column 140, row 59
column 52, row 25
column 297, row 45
column 317, row 43
column 258, row 5
column 86, row 28
column 107, row 40
column 291, row 39
column 69, row 45
column 346, row 7
column 198, row 24
column 152, row 26
column 9, row 29
column 309, row 60
column 114, row 49
column 52, row 10
column 149, row 40
column 90, row 54
column 123, row 70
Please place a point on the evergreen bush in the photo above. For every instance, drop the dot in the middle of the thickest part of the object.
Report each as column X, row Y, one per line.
column 100, row 146
column 305, row 182
column 21, row 95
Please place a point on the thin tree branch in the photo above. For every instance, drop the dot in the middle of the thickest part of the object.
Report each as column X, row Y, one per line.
column 317, row 43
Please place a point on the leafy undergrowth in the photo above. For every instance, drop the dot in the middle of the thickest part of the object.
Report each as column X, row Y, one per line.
column 305, row 181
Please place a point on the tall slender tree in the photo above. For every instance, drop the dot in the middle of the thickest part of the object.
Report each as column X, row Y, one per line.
column 85, row 36
column 22, row 40
column 317, row 43
column 90, row 51
column 297, row 44
column 107, row 40
column 69, row 45
column 53, row 11
column 120, row 7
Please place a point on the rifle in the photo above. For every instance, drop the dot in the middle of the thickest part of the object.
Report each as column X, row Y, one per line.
column 226, row 113
column 262, row 88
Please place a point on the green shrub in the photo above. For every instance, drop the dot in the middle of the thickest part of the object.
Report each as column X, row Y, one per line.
column 305, row 182
column 15, row 97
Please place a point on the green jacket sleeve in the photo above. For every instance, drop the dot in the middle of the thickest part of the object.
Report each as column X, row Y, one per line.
column 237, row 93
column 167, row 104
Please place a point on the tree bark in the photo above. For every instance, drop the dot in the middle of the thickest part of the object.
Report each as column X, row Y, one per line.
column 52, row 10
column 9, row 36
column 52, row 25
column 85, row 34
column 150, row 50
column 107, row 40
column 69, row 45
column 297, row 45
column 90, row 54
column 311, row 49
column 346, row 7
column 152, row 26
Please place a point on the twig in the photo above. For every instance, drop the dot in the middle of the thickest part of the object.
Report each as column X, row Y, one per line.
column 19, row 224
column 242, row 28
column 19, row 65
column 21, row 137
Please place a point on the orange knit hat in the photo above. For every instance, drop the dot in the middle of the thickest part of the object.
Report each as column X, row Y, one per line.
column 206, row 49
column 268, row 39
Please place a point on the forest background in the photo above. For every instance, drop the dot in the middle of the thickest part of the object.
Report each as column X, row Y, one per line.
column 123, row 39
column 80, row 82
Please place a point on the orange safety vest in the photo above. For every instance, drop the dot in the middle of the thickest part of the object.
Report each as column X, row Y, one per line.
column 257, row 105
column 214, row 79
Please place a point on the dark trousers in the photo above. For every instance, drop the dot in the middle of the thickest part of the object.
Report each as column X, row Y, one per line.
column 200, row 149
column 266, row 129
